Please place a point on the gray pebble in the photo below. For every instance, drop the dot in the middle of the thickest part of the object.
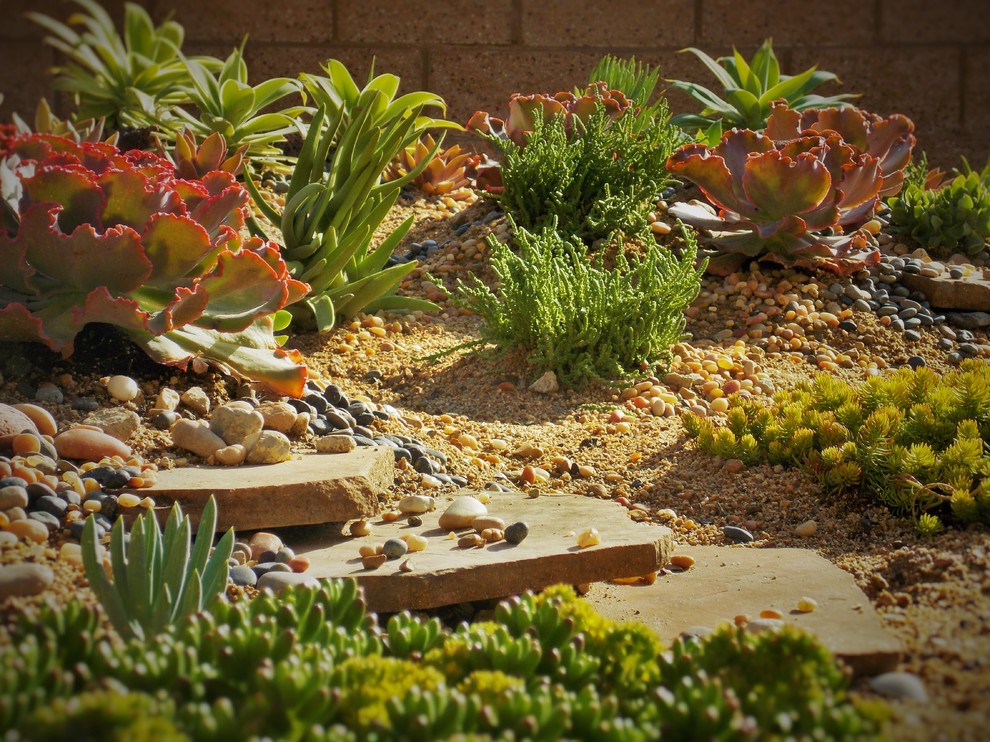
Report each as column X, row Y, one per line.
column 900, row 685
column 24, row 579
column 912, row 336
column 243, row 576
column 49, row 393
column 739, row 535
column 279, row 581
column 517, row 532
column 394, row 548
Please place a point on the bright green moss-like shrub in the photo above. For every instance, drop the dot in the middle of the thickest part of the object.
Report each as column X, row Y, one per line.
column 312, row 665
column 600, row 177
column 955, row 216
column 916, row 439
column 575, row 316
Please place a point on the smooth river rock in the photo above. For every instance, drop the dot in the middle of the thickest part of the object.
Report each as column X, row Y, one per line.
column 25, row 579
column 461, row 513
column 13, row 422
column 89, row 445
column 194, row 436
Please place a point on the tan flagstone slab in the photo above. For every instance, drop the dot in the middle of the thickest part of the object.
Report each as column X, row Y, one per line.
column 445, row 574
column 726, row 581
column 313, row 488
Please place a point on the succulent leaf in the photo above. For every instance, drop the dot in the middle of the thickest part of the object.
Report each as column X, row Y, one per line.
column 140, row 250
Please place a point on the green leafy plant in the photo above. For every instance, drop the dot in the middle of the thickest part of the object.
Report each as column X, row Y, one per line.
column 226, row 104
column 953, row 216
column 157, row 580
column 601, row 178
column 311, row 664
column 749, row 89
column 45, row 122
column 129, row 79
column 574, row 315
column 637, row 81
column 916, row 439
column 777, row 195
column 337, row 198
column 90, row 234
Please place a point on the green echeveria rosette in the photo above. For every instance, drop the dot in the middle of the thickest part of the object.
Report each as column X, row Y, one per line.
column 103, row 236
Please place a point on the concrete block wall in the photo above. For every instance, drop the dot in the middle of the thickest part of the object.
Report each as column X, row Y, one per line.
column 928, row 60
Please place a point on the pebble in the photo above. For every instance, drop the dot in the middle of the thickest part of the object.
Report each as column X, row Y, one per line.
column 119, row 422
column 231, row 455
column 360, row 528
column 49, row 393
column 488, row 521
column 276, row 581
column 416, row 504
column 195, row 436
column 807, row 605
column 517, row 532
column 407, row 566
column 235, row 424
column 546, row 384
column 761, row 625
column 42, row 418
column 461, row 513
column 263, row 542
column 268, row 447
column 471, row 541
column 196, row 400
column 243, row 576
column 122, row 388
column 373, row 561
column 589, row 537
column 682, row 561
column 26, row 579
column 13, row 496
column 335, row 444
column 167, row 399
column 806, row 529
column 900, row 685
column 738, row 535
column 415, row 542
column 88, row 444
column 29, row 530
column 280, row 416
column 395, row 548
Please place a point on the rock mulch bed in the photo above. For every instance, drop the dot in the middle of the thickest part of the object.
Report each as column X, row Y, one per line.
column 752, row 332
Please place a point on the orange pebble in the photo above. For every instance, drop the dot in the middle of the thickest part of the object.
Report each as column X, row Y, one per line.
column 299, row 564
column 135, row 482
column 26, row 444
column 771, row 613
column 4, row 469
column 741, row 619
column 26, row 473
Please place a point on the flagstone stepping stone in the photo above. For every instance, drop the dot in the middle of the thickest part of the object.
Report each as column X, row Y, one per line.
column 966, row 294
column 728, row 581
column 311, row 489
column 445, row 574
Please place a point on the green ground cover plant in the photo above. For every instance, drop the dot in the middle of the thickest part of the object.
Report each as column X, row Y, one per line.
column 914, row 439
column 311, row 664
column 951, row 216
column 576, row 316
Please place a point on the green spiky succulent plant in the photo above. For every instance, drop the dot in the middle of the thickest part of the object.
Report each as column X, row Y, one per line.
column 158, row 579
column 749, row 90
column 337, row 197
column 915, row 439
column 90, row 234
column 311, row 664
column 129, row 79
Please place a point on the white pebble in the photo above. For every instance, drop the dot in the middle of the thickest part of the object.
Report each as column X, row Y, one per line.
column 122, row 388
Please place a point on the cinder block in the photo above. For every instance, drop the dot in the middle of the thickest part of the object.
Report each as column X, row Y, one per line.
column 623, row 23
column 472, row 80
column 840, row 22
column 227, row 21
column 265, row 61
column 426, row 22
column 923, row 84
column 976, row 95
column 25, row 77
column 924, row 22
column 16, row 26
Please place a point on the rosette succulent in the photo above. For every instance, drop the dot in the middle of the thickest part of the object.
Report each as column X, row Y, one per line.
column 524, row 110
column 444, row 172
column 777, row 198
column 90, row 234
